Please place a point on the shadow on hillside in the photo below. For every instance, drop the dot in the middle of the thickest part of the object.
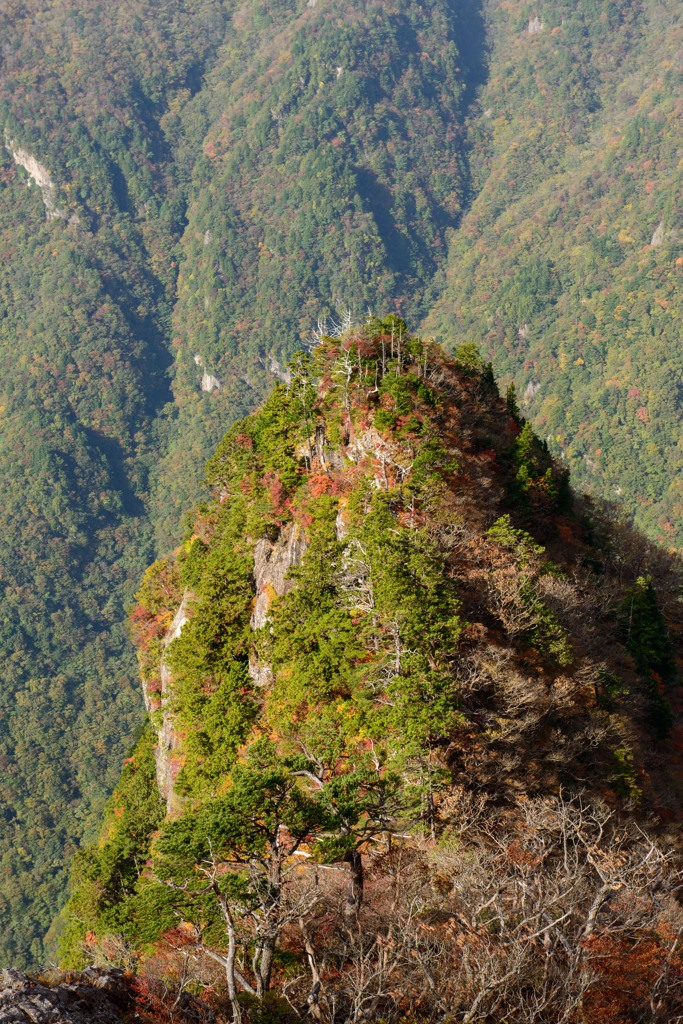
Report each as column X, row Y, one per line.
column 608, row 720
column 471, row 39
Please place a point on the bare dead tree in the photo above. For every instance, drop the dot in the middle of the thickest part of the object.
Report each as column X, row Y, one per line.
column 515, row 917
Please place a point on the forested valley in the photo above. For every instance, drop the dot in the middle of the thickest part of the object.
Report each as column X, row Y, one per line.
column 187, row 188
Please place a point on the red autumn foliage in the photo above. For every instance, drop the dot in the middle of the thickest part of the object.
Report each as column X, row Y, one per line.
column 277, row 492
column 319, row 483
column 628, row 972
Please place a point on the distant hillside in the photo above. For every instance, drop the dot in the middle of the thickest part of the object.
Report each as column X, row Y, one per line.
column 567, row 269
column 86, row 281
column 397, row 676
column 329, row 167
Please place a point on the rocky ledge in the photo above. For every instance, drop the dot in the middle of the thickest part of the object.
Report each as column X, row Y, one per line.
column 94, row 997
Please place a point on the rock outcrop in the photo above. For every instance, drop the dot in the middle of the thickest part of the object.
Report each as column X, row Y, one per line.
column 93, row 997
column 658, row 235
column 272, row 562
column 169, row 741
column 40, row 175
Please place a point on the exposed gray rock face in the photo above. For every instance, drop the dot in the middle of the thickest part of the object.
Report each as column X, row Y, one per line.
column 261, row 672
column 391, row 457
column 40, row 176
column 531, row 389
column 272, row 562
column 658, row 236
column 168, row 740
column 322, row 455
column 340, row 527
column 209, row 382
column 96, row 997
column 278, row 371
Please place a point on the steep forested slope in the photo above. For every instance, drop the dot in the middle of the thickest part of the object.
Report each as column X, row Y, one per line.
column 406, row 697
column 85, row 264
column 287, row 158
column 568, row 265
column 207, row 179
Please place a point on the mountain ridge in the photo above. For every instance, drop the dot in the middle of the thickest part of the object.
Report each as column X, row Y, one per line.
column 390, row 619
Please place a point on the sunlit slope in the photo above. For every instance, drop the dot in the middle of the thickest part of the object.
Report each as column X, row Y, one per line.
column 184, row 185
column 567, row 267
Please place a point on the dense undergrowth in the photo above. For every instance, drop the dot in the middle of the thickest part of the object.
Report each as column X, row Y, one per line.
column 421, row 720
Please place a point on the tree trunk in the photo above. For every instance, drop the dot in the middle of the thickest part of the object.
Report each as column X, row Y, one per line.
column 354, row 893
column 313, row 998
column 230, row 978
column 266, row 965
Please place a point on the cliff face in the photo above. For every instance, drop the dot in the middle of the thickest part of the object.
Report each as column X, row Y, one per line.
column 169, row 741
column 394, row 624
column 273, row 561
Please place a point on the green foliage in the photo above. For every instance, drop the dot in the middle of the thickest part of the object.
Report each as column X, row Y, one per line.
column 646, row 633
column 564, row 269
column 609, row 690
column 105, row 874
column 544, row 632
column 316, row 645
column 468, row 359
column 85, row 308
column 325, row 685
column 272, row 1009
column 209, row 660
column 432, row 462
column 242, row 834
column 530, row 457
column 519, row 541
column 647, row 637
column 625, row 776
column 511, row 402
column 269, row 440
column 264, row 797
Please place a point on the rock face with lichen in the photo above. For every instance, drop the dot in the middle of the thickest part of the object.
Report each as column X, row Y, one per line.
column 168, row 739
column 93, row 997
column 273, row 561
